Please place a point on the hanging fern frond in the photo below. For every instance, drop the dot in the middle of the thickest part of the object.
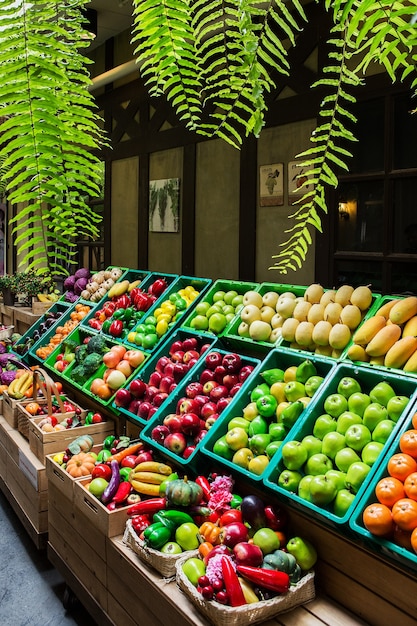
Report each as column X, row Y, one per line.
column 50, row 130
column 370, row 32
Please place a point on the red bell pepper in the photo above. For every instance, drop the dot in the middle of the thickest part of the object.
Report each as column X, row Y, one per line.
column 109, row 308
column 122, row 302
column 268, row 578
column 150, row 506
column 203, row 482
column 140, row 522
column 116, row 328
column 95, row 324
column 231, row 583
column 122, row 492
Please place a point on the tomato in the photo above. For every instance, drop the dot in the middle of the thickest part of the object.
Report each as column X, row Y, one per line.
column 388, row 490
column 101, row 470
column 408, row 443
column 400, row 465
column 129, row 461
column 404, row 514
column 377, row 519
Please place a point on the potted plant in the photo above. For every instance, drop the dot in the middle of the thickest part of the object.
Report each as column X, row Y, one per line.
column 28, row 283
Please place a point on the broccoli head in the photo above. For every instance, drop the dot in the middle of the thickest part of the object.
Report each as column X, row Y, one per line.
column 69, row 346
column 79, row 375
column 80, row 353
column 98, row 344
column 92, row 362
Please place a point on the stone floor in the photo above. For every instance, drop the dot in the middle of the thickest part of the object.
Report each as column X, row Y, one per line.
column 31, row 589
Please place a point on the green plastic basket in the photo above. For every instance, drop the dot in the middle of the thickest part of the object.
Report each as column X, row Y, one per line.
column 367, row 378
column 277, row 358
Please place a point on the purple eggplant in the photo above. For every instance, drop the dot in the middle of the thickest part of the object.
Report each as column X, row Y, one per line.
column 252, row 508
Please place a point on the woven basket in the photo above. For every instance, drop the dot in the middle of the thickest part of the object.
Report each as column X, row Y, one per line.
column 221, row 615
column 162, row 563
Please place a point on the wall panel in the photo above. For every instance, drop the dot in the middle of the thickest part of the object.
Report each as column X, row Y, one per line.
column 124, row 212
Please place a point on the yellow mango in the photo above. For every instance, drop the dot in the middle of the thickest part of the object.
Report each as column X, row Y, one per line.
column 383, row 340
column 369, row 329
column 403, row 310
column 386, row 308
column 118, row 289
column 410, row 327
column 403, row 354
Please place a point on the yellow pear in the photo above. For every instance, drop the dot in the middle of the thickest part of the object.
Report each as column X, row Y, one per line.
column 277, row 321
column 351, row 315
column 259, row 330
column 321, row 333
column 313, row 293
column 316, row 313
column 270, row 298
column 301, row 310
column 285, row 307
column 343, row 294
column 361, row 297
column 303, row 333
column 324, row 350
column 328, row 296
column 339, row 336
column 332, row 312
column 288, row 329
column 253, row 297
column 267, row 313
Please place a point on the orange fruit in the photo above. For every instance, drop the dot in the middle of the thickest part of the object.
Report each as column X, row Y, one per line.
column 410, row 486
column 404, row 514
column 377, row 519
column 400, row 465
column 414, row 421
column 408, row 442
column 388, row 490
column 413, row 540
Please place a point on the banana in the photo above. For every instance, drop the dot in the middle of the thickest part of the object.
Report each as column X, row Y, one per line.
column 22, row 381
column 42, row 297
column 28, row 383
column 151, row 478
column 154, row 466
column 145, row 488
column 11, row 387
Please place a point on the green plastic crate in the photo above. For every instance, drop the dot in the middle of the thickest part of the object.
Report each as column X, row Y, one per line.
column 150, row 366
column 78, row 335
column 277, row 358
column 220, row 285
column 195, row 459
column 367, row 378
column 383, row 546
column 262, row 289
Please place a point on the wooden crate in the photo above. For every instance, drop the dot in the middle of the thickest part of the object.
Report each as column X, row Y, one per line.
column 33, row 503
column 3, row 463
column 42, row 443
column 109, row 523
column 19, row 451
column 39, row 308
column 10, row 409
column 58, row 476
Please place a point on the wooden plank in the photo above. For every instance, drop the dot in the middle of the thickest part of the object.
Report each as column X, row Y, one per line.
column 118, row 614
column 39, row 539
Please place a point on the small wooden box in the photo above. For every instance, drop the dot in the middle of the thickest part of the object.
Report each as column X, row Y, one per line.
column 60, row 478
column 10, row 409
column 42, row 443
column 109, row 523
column 39, row 308
column 19, row 451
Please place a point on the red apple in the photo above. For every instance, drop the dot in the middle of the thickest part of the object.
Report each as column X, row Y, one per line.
column 152, row 411
column 176, row 346
column 175, row 442
column 200, row 435
column 137, row 388
column 177, row 356
column 186, row 405
column 190, row 343
column 232, row 362
column 210, row 420
column 219, row 373
column 208, row 386
column 205, row 376
column 222, row 404
column 189, row 450
column 233, row 391
column 190, row 354
column 248, row 554
column 208, row 409
column 193, row 389
column 190, row 424
column 155, row 379
column 159, row 433
column 234, row 533
column 134, row 406
column 122, row 397
column 169, row 369
column 230, row 380
column 144, row 455
column 159, row 398
column 213, row 359
column 129, row 461
column 244, row 372
column 151, row 391
column 180, row 369
column 143, row 409
column 220, row 391
column 173, row 421
column 165, row 384
column 161, row 363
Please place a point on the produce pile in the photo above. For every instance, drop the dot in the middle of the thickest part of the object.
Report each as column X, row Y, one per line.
column 90, row 287
column 61, row 332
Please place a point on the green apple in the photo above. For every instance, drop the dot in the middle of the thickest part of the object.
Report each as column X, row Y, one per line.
column 201, row 308
column 304, row 487
column 342, row 502
column 395, row 407
column 312, row 384
column 258, row 443
column 97, row 486
column 278, row 432
column 230, row 295
column 237, row 438
column 186, row 535
column 357, row 436
column 344, row 459
column 219, row 295
column 382, row 392
column 294, row 390
column 171, row 547
column 338, row 477
column 348, row 386
column 199, row 322
column 193, row 568
column 346, row 419
column 322, row 490
column 358, row 402
column 217, row 323
column 267, row 540
column 214, row 309
column 312, row 443
column 383, row 430
column 318, row 463
column 335, row 404
column 373, row 414
column 272, row 447
column 259, row 425
column 371, row 452
column 324, row 424
column 289, row 480
column 304, row 552
column 294, row 454
column 237, row 302
column 239, row 422
column 221, row 448
column 356, row 474
column 242, row 457
column 332, row 443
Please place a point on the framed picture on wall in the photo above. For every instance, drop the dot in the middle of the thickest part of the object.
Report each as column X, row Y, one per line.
column 271, row 185
column 164, row 202
column 296, row 178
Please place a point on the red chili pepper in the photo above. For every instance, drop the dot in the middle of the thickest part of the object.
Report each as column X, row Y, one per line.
column 150, row 506
column 269, row 578
column 140, row 522
column 205, row 486
column 231, row 583
column 122, row 492
column 116, row 328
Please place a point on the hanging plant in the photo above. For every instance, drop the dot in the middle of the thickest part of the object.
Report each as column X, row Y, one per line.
column 49, row 131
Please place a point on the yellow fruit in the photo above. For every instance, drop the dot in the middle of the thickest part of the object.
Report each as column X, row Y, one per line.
column 401, row 354
column 275, row 335
column 410, row 327
column 377, row 360
column 403, row 310
column 357, row 353
column 118, row 289
column 328, row 296
column 369, row 329
column 303, row 333
column 288, row 329
column 343, row 294
column 270, row 298
column 285, row 307
column 277, row 390
column 267, row 313
column 386, row 308
column 361, row 297
column 383, row 340
column 321, row 333
column 336, row 354
column 301, row 310
column 253, row 297
column 339, row 336
column 313, row 293
column 243, row 330
column 332, row 312
column 277, row 321
column 324, row 350
column 259, row 330
column 290, row 373
column 316, row 313
column 351, row 315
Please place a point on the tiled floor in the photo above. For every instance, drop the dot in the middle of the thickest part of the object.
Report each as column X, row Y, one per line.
column 31, row 590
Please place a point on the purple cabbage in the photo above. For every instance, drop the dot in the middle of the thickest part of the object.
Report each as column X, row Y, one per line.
column 80, row 285
column 69, row 282
column 7, row 376
column 70, row 296
column 83, row 272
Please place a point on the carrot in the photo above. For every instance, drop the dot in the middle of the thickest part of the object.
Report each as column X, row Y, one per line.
column 132, row 449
